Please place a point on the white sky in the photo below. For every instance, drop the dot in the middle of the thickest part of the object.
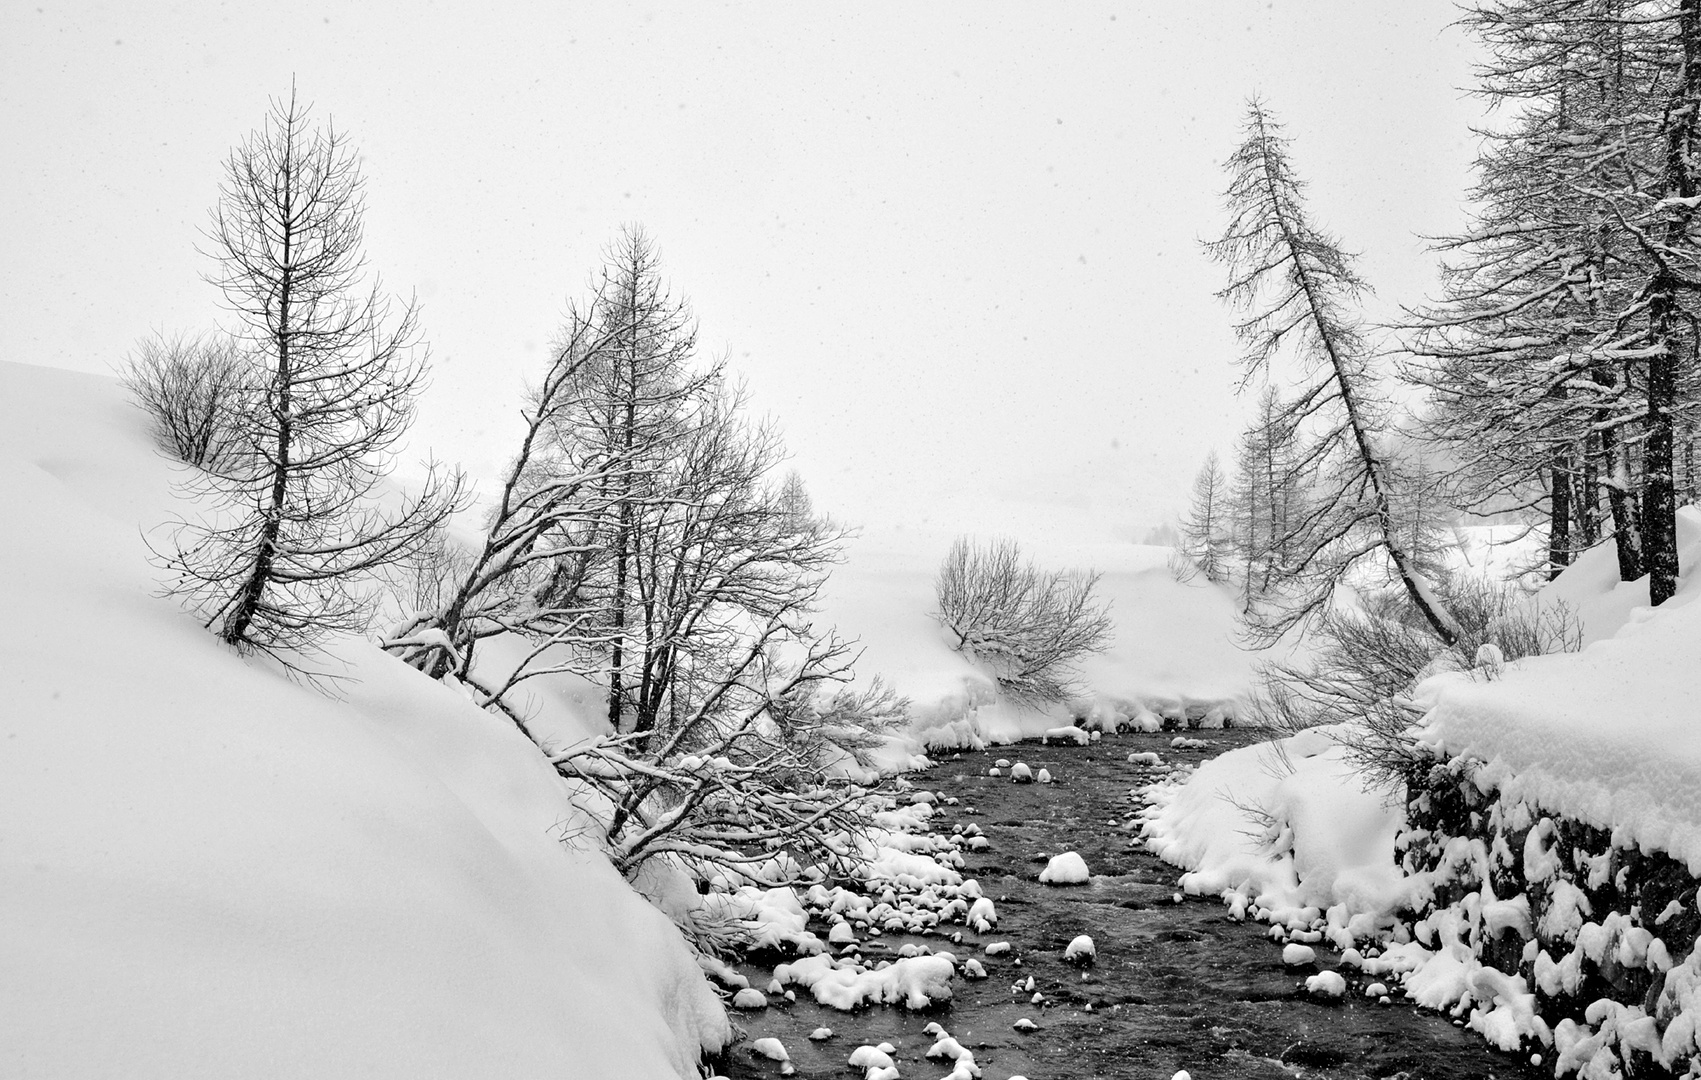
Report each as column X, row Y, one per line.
column 953, row 248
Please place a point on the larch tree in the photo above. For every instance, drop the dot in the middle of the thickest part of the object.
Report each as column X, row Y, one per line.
column 1205, row 529
column 1297, row 289
column 1562, row 356
column 294, row 522
column 1263, row 500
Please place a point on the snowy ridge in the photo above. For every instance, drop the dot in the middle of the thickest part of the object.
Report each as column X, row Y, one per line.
column 213, row 871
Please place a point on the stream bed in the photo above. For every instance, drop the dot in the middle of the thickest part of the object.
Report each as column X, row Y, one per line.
column 1177, row 984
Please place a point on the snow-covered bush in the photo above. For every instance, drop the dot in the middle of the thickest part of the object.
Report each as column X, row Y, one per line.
column 1029, row 626
column 1366, row 659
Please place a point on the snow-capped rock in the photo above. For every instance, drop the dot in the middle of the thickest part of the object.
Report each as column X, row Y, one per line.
column 1065, row 869
column 1326, row 984
column 1081, row 951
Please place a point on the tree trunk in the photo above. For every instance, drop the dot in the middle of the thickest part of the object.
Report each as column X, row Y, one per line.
column 1559, row 518
column 1659, row 502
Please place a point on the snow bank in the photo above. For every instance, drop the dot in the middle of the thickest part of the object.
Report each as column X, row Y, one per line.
column 212, row 871
column 1606, row 735
column 1285, row 826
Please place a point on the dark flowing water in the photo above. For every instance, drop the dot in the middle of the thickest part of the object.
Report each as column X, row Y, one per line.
column 1177, row 985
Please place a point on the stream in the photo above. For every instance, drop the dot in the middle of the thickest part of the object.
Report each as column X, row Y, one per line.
column 1177, row 984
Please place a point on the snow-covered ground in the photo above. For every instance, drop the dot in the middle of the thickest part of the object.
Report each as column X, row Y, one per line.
column 210, row 870
column 1174, row 647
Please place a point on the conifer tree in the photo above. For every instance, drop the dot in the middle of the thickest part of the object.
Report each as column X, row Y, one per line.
column 1298, row 290
column 293, row 525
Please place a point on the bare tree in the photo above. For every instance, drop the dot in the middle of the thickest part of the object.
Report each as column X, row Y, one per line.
column 643, row 539
column 192, row 388
column 1029, row 626
column 1264, row 500
column 294, row 526
column 550, row 522
column 1297, row 287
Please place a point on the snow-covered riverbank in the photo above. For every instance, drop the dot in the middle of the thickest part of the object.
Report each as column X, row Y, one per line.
column 1541, row 882
column 213, row 871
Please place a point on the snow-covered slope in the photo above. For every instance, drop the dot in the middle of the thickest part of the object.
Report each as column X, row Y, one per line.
column 1174, row 643
column 207, row 870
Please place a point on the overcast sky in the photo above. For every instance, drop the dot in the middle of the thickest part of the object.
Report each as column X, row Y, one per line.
column 953, row 248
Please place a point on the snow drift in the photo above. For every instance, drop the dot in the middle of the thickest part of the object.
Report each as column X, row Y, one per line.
column 212, row 871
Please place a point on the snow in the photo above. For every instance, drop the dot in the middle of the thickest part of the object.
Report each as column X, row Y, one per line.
column 1081, row 948
column 1319, row 839
column 750, row 998
column 1326, row 984
column 1605, row 735
column 225, row 873
column 870, row 1057
column 773, row 918
column 1065, row 869
column 1067, row 733
column 914, row 982
column 1297, row 955
column 1174, row 648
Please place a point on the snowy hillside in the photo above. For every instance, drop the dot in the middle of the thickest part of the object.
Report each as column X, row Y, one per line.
column 212, row 871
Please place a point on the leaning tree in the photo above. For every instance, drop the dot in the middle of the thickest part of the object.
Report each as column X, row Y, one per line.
column 1297, row 290
column 293, row 520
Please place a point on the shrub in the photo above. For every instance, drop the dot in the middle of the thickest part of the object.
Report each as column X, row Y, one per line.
column 1366, row 661
column 192, row 389
column 1029, row 626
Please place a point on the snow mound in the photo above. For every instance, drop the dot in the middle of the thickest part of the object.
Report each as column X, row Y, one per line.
column 913, row 982
column 1318, row 838
column 1065, row 869
column 1326, row 984
column 1081, row 950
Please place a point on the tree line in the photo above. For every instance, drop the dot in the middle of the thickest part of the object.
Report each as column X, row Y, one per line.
column 1555, row 373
